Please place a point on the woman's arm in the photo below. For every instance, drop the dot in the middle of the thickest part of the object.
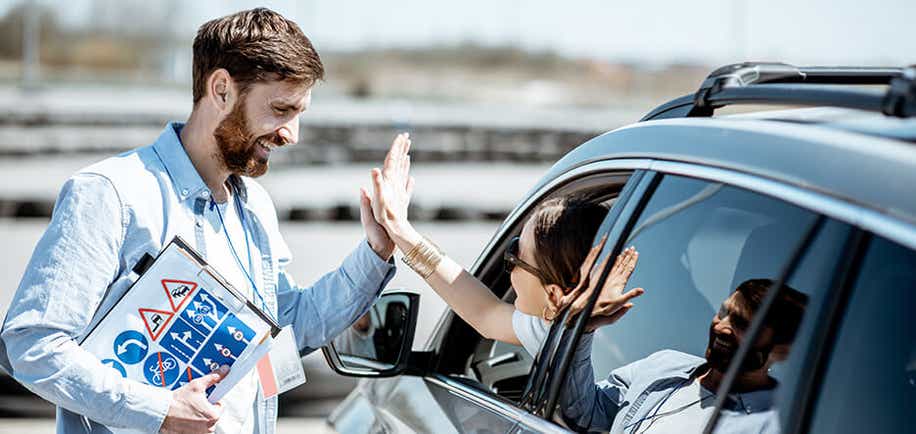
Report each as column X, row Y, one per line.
column 468, row 296
column 473, row 301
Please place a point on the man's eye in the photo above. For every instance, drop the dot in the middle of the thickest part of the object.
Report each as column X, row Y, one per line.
column 722, row 312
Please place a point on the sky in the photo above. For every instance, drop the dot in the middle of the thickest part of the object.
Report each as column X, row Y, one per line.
column 803, row 32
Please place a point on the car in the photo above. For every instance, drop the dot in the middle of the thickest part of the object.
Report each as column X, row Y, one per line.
column 820, row 199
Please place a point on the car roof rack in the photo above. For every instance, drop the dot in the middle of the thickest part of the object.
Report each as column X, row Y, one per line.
column 783, row 84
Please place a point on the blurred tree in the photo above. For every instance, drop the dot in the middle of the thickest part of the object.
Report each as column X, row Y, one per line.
column 12, row 26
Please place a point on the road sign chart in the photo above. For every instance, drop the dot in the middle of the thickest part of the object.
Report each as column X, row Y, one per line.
column 176, row 323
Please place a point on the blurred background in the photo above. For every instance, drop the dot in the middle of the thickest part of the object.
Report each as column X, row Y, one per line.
column 492, row 92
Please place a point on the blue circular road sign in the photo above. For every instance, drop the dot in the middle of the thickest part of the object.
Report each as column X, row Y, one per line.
column 131, row 347
column 160, row 369
column 116, row 365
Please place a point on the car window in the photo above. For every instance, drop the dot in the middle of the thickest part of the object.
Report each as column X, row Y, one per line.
column 707, row 253
column 870, row 380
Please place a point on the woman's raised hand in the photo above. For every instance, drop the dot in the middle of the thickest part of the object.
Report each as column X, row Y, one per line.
column 392, row 188
column 612, row 302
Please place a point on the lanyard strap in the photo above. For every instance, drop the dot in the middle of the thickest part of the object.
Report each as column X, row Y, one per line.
column 241, row 214
column 657, row 408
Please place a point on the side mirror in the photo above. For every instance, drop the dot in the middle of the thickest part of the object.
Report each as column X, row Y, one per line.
column 378, row 344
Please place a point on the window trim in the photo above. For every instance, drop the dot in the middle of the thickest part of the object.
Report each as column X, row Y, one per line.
column 494, row 404
column 884, row 225
column 827, row 328
column 533, row 197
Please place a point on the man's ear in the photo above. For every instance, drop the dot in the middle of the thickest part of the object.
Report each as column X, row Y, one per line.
column 219, row 89
column 779, row 353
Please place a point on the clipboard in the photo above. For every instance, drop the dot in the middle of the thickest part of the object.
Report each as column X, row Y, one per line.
column 181, row 320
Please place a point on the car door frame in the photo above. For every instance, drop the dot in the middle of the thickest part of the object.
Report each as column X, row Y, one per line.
column 864, row 222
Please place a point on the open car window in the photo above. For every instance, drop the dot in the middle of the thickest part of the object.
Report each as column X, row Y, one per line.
column 497, row 367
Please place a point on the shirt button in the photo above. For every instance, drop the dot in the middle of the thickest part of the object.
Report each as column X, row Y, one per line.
column 205, row 194
column 199, row 224
column 184, row 192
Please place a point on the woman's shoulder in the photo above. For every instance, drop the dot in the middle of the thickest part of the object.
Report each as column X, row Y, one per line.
column 530, row 330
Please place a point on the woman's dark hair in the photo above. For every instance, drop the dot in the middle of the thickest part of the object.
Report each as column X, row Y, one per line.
column 564, row 228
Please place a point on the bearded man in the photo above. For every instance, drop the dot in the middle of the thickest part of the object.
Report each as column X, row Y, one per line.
column 253, row 76
column 674, row 392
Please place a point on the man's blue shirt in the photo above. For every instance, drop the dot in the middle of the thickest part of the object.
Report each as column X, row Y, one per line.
column 634, row 392
column 106, row 218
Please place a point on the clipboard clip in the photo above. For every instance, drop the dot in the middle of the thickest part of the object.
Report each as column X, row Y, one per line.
column 143, row 264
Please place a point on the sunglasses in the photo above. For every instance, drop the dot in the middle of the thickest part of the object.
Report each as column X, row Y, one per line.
column 512, row 260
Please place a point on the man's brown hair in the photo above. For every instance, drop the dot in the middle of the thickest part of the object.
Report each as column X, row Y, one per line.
column 786, row 313
column 564, row 229
column 254, row 45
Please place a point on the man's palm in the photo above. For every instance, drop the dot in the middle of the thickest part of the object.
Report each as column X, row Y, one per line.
column 378, row 239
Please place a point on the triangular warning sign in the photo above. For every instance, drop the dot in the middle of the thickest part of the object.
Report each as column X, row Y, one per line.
column 178, row 292
column 155, row 321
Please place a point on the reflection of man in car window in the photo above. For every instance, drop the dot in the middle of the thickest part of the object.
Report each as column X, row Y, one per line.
column 357, row 339
column 671, row 391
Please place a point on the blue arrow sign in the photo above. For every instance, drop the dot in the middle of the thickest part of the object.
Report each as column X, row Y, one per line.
column 130, row 346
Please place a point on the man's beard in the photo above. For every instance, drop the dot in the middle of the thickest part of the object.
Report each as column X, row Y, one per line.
column 720, row 354
column 238, row 148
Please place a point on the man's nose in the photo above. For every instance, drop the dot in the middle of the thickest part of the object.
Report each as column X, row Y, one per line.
column 289, row 132
column 723, row 327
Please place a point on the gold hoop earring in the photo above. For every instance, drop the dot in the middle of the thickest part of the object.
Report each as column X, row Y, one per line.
column 547, row 313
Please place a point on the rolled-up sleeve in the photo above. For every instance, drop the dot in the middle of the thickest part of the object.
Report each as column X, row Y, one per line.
column 588, row 405
column 69, row 272
column 322, row 311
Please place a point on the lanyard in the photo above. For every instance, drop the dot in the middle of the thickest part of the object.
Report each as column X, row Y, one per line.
column 658, row 408
column 241, row 214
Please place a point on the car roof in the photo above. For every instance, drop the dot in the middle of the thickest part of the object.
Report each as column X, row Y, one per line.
column 860, row 121
column 857, row 157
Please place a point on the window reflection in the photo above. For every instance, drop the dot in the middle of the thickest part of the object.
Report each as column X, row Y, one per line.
column 708, row 255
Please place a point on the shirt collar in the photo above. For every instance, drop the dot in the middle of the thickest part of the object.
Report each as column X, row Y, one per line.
column 747, row 402
column 185, row 179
